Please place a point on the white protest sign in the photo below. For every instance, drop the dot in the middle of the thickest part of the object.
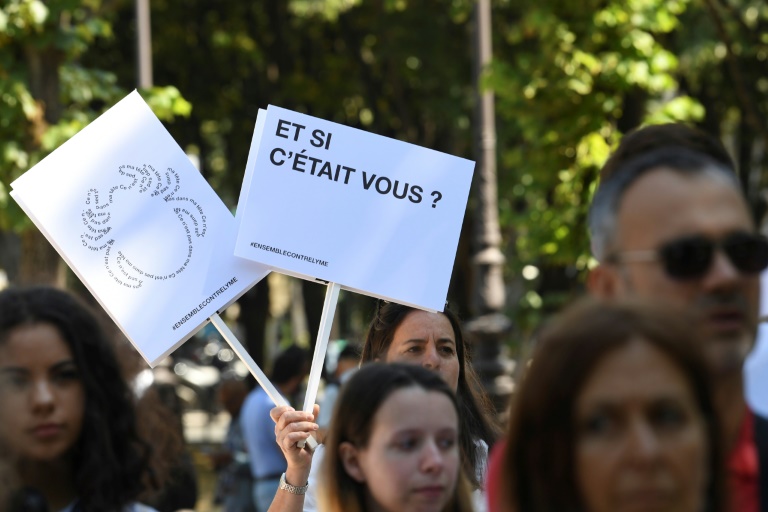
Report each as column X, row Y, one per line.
column 139, row 225
column 376, row 215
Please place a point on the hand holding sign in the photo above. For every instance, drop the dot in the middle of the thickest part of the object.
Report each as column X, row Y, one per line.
column 356, row 210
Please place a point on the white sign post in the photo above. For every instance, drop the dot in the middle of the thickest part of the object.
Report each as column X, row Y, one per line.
column 370, row 214
column 142, row 229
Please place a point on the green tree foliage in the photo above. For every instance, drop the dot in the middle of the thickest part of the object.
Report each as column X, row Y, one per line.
column 46, row 93
column 386, row 67
column 572, row 77
column 399, row 72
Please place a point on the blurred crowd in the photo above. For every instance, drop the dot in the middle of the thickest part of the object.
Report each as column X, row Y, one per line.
column 632, row 398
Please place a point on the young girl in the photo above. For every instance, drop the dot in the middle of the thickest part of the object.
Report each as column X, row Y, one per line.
column 393, row 445
column 68, row 417
column 399, row 334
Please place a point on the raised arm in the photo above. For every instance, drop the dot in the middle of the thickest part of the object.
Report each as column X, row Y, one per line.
column 292, row 426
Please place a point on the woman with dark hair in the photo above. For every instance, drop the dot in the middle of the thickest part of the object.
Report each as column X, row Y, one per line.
column 393, row 444
column 68, row 415
column 402, row 334
column 614, row 413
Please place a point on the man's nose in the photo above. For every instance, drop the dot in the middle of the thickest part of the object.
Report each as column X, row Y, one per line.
column 722, row 274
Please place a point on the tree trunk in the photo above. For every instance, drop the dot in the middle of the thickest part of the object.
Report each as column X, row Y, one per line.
column 40, row 264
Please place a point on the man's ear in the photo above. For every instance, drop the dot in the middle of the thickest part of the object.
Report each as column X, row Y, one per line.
column 350, row 459
column 603, row 281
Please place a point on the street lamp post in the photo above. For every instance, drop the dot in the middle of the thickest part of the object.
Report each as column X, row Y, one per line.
column 489, row 324
column 143, row 44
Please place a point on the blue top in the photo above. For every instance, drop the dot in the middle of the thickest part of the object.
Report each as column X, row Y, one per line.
column 264, row 454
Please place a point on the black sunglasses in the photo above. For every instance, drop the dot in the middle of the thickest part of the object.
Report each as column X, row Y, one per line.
column 690, row 257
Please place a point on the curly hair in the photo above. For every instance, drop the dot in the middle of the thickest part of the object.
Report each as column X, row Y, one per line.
column 109, row 458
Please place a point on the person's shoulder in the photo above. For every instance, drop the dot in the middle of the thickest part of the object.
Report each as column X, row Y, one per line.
column 248, row 402
column 249, row 411
column 331, row 392
column 759, row 417
column 261, row 400
column 482, row 449
column 251, row 396
column 760, row 428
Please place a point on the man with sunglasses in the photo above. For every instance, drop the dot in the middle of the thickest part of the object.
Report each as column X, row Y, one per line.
column 669, row 222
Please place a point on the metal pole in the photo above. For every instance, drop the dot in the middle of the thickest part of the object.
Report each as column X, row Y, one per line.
column 489, row 325
column 143, row 44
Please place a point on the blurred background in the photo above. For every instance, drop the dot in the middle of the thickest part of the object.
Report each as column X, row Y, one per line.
column 536, row 92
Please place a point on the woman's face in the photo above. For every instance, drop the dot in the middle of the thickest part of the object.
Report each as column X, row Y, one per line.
column 426, row 339
column 411, row 462
column 42, row 399
column 641, row 442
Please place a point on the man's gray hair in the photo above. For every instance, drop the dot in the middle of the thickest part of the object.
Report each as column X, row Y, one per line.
column 603, row 211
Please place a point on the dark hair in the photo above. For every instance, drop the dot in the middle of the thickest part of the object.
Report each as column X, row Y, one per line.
column 677, row 146
column 290, row 363
column 539, row 468
column 350, row 351
column 474, row 405
column 643, row 140
column 359, row 400
column 109, row 457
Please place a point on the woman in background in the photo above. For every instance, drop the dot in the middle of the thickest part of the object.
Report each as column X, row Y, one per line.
column 68, row 416
column 393, row 445
column 613, row 414
column 436, row 341
column 398, row 334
